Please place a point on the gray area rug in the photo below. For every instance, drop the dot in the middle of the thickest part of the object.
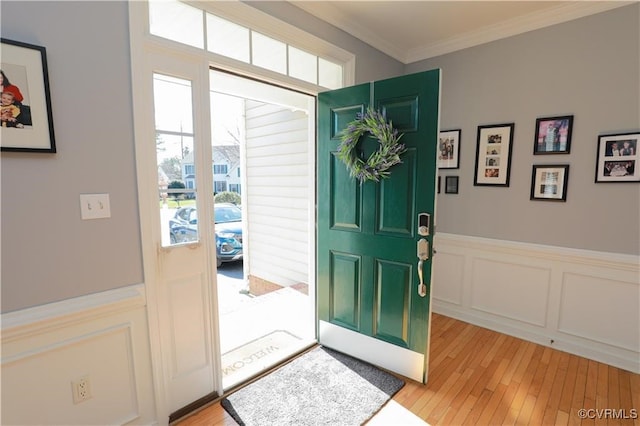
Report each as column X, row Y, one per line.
column 321, row 387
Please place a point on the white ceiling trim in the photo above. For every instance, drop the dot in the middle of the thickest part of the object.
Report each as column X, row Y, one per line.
column 525, row 23
column 333, row 16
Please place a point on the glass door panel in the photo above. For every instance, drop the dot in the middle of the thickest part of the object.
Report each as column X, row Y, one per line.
column 175, row 160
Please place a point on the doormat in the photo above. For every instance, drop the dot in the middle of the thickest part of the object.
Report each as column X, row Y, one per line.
column 321, row 387
column 258, row 354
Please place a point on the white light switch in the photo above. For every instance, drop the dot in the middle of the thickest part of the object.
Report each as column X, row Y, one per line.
column 94, row 206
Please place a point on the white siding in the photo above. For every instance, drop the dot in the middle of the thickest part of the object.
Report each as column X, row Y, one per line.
column 277, row 165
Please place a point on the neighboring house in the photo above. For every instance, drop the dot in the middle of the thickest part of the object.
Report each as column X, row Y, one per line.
column 225, row 169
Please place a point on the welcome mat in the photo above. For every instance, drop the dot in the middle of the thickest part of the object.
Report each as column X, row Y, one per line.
column 321, row 387
column 253, row 357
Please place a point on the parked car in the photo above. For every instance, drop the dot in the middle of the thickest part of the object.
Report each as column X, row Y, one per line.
column 183, row 227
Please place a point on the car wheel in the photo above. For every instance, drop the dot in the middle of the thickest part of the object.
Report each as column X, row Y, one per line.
column 218, row 262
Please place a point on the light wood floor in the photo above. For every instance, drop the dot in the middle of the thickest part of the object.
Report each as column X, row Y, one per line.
column 481, row 377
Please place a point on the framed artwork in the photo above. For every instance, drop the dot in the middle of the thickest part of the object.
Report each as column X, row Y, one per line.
column 451, row 185
column 618, row 158
column 26, row 122
column 493, row 155
column 553, row 135
column 449, row 149
column 549, row 182
column 439, row 179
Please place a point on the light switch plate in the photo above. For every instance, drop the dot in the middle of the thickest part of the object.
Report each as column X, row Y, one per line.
column 94, row 206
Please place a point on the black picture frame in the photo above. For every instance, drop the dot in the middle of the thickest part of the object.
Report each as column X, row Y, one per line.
column 439, row 180
column 449, row 149
column 26, row 124
column 549, row 182
column 451, row 185
column 553, row 135
column 493, row 155
column 618, row 159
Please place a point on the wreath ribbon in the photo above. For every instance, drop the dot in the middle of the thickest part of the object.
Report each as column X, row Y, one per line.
column 379, row 162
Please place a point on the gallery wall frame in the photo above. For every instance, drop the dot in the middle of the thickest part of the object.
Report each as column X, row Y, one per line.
column 549, row 182
column 451, row 185
column 449, row 149
column 493, row 155
column 553, row 135
column 26, row 123
column 617, row 158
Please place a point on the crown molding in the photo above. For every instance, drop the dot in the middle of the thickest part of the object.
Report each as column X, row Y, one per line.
column 335, row 17
column 529, row 22
column 523, row 24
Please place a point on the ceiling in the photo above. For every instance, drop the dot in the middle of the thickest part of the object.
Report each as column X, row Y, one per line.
column 410, row 31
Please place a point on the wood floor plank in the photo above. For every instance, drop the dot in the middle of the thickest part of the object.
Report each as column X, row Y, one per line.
column 545, row 389
column 504, row 414
column 557, row 388
column 578, row 400
column 481, row 377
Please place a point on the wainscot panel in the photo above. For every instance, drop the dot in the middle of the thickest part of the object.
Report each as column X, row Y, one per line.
column 101, row 339
column 578, row 301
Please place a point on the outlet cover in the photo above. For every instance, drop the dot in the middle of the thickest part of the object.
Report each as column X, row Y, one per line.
column 94, row 206
column 81, row 390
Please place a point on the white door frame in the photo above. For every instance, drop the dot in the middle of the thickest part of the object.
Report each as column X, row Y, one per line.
column 142, row 45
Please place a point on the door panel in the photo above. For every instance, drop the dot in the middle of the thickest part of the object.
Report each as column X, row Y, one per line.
column 393, row 301
column 344, row 287
column 396, row 202
column 367, row 233
column 344, row 217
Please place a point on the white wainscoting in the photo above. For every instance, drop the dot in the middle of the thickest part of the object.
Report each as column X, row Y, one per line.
column 103, row 337
column 578, row 301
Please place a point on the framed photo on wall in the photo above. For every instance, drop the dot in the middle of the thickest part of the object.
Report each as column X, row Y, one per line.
column 493, row 155
column 618, row 158
column 451, row 185
column 553, row 135
column 449, row 149
column 26, row 122
column 549, row 182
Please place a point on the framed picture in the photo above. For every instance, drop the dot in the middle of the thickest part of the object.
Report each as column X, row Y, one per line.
column 553, row 135
column 26, row 122
column 449, row 149
column 451, row 185
column 493, row 155
column 439, row 179
column 618, row 158
column 549, row 182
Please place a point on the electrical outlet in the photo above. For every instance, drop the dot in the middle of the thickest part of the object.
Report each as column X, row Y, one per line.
column 81, row 390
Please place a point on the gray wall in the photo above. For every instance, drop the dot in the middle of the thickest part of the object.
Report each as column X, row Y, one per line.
column 48, row 252
column 588, row 68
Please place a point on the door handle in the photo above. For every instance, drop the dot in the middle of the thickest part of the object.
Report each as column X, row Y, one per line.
column 422, row 288
column 423, row 254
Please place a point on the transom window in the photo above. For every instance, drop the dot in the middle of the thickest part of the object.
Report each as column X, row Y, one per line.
column 185, row 24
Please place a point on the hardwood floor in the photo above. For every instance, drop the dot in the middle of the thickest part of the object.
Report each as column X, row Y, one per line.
column 481, row 377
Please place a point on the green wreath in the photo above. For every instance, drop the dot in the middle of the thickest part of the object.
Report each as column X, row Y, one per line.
column 378, row 164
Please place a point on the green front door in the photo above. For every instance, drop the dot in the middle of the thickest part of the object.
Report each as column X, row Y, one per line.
column 369, row 303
